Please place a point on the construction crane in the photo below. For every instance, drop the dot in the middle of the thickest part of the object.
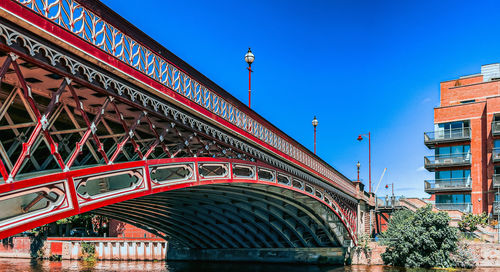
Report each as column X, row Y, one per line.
column 380, row 180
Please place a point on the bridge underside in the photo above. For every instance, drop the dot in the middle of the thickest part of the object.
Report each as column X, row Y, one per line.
column 235, row 215
column 238, row 222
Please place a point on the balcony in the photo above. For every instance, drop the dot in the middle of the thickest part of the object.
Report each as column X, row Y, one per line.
column 496, row 181
column 447, row 160
column 445, row 136
column 496, row 207
column 495, row 154
column 463, row 207
column 495, row 128
column 445, row 185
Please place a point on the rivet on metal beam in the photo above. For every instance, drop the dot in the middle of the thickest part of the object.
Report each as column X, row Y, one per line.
column 13, row 56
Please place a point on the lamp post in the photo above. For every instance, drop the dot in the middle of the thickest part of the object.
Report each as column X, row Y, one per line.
column 360, row 138
column 315, row 124
column 249, row 58
column 358, row 165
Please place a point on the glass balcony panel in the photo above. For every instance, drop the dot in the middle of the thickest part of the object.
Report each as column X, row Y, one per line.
column 463, row 207
column 449, row 184
column 495, row 153
column 496, row 207
column 447, row 160
column 496, row 181
column 495, row 128
column 447, row 135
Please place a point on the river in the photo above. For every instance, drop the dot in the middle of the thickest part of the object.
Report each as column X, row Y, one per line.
column 37, row 266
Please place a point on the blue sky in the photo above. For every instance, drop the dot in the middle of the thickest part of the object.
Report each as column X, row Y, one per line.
column 358, row 66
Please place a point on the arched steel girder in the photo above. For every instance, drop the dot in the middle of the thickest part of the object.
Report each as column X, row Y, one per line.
column 192, row 203
column 217, row 232
column 248, row 197
column 313, row 207
column 144, row 224
column 201, row 235
column 172, row 231
column 260, row 232
column 262, row 215
column 260, row 200
column 230, row 230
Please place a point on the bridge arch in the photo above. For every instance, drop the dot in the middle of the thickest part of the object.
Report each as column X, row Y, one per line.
column 197, row 202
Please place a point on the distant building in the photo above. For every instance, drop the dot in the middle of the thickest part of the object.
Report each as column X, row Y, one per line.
column 466, row 143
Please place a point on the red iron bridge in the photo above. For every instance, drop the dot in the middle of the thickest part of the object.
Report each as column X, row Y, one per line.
column 96, row 116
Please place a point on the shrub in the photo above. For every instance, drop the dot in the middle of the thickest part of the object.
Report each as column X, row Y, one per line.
column 470, row 222
column 420, row 239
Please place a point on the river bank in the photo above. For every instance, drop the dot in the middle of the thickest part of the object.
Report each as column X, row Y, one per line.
column 485, row 254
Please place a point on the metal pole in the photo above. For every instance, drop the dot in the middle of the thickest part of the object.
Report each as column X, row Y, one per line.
column 314, row 140
column 358, row 171
column 370, row 161
column 249, row 86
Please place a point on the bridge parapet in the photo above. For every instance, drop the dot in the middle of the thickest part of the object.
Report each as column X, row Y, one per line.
column 146, row 60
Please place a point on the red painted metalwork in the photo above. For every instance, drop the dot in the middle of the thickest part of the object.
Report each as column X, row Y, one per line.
column 360, row 138
column 289, row 150
column 29, row 222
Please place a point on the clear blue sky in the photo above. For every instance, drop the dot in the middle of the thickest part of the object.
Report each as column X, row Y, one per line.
column 358, row 66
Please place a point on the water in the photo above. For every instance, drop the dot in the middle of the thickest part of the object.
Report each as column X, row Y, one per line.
column 32, row 266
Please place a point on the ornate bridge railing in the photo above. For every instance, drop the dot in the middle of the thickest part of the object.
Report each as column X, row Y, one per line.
column 80, row 20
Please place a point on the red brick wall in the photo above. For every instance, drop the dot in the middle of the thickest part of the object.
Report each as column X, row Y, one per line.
column 480, row 114
column 121, row 229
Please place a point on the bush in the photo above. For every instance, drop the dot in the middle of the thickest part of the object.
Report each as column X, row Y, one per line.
column 88, row 251
column 420, row 239
column 470, row 222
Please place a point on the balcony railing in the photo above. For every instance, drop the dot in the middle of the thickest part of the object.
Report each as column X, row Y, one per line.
column 496, row 181
column 447, row 160
column 495, row 153
column 463, row 207
column 496, row 207
column 452, row 184
column 495, row 128
column 447, row 135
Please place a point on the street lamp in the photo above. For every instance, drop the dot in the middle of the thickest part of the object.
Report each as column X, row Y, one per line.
column 315, row 124
column 360, row 138
column 358, row 165
column 249, row 58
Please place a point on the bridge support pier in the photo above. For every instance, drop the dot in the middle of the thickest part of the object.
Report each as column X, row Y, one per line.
column 330, row 255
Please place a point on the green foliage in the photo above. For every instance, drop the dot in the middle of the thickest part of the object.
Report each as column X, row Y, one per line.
column 470, row 222
column 88, row 251
column 80, row 220
column 420, row 239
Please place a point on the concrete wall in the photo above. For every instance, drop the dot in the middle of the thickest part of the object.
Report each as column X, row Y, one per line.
column 105, row 248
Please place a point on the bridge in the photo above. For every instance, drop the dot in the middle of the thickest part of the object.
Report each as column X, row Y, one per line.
column 96, row 116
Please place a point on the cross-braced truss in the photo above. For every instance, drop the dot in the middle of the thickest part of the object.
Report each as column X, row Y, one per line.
column 59, row 114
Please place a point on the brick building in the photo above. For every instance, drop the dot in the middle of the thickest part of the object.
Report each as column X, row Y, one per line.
column 466, row 144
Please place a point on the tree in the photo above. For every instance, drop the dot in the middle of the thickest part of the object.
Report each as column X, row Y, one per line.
column 419, row 239
column 470, row 222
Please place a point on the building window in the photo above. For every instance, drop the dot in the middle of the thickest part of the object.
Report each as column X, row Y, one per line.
column 467, row 101
column 453, row 150
column 452, row 125
column 454, row 174
column 453, row 199
column 496, row 144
